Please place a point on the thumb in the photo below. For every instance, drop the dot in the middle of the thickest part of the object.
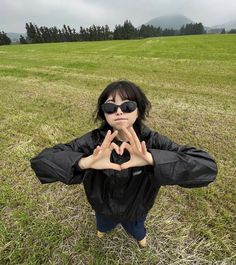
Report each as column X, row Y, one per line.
column 96, row 150
column 114, row 166
column 127, row 165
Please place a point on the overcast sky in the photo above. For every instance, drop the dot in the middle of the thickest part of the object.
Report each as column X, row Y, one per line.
column 75, row 13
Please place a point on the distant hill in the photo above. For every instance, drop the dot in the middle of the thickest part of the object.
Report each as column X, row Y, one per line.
column 227, row 26
column 170, row 21
column 15, row 36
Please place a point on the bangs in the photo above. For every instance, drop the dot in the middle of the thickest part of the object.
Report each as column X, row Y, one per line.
column 124, row 92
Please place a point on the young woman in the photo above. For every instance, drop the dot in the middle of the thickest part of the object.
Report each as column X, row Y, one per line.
column 122, row 164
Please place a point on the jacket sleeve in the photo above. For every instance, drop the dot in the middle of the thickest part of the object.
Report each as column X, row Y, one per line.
column 60, row 162
column 181, row 165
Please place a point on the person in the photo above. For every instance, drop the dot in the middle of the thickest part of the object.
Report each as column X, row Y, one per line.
column 123, row 163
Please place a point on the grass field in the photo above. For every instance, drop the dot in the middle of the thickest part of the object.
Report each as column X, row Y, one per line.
column 47, row 95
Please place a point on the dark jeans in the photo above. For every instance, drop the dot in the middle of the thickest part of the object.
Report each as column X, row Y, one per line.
column 134, row 228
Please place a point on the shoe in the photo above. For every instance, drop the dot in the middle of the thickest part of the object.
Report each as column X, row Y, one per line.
column 143, row 243
column 100, row 234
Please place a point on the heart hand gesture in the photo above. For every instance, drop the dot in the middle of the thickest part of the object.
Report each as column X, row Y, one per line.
column 139, row 156
column 100, row 159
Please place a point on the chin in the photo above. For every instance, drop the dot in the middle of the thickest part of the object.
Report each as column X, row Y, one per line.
column 120, row 126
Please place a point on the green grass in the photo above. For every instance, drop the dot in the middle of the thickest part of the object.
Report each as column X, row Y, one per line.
column 48, row 93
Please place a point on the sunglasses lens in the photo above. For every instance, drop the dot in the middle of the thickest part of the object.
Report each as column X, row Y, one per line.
column 128, row 106
column 109, row 108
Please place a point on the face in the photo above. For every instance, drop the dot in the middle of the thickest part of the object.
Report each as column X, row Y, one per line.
column 120, row 119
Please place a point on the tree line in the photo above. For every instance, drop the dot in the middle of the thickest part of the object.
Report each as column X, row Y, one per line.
column 44, row 34
column 126, row 31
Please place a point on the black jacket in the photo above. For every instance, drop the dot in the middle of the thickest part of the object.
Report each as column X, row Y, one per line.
column 130, row 193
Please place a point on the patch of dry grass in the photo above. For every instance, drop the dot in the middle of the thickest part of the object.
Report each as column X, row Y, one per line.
column 48, row 93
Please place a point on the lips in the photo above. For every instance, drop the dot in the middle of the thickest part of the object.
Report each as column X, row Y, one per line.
column 121, row 119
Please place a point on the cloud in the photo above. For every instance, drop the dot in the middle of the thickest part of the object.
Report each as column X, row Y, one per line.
column 76, row 13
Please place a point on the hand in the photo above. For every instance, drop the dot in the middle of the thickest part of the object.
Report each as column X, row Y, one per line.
column 139, row 156
column 100, row 159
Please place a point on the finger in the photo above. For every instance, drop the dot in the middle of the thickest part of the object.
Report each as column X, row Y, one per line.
column 135, row 138
column 108, row 138
column 128, row 134
column 96, row 150
column 116, row 147
column 124, row 146
column 144, row 148
column 113, row 135
column 105, row 141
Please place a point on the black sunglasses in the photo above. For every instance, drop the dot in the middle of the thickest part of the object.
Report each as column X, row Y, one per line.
column 127, row 107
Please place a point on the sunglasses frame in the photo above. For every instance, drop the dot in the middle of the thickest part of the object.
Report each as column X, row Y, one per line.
column 119, row 106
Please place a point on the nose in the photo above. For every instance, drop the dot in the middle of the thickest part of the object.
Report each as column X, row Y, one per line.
column 119, row 111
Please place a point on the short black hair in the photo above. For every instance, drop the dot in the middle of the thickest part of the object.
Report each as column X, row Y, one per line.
column 126, row 90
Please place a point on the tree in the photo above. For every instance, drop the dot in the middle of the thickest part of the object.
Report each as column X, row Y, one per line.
column 130, row 31
column 191, row 28
column 170, row 32
column 223, row 31
column 84, row 34
column 4, row 39
column 118, row 32
column 199, row 28
column 108, row 34
column 31, row 33
column 147, row 31
column 232, row 31
column 125, row 32
column 23, row 40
